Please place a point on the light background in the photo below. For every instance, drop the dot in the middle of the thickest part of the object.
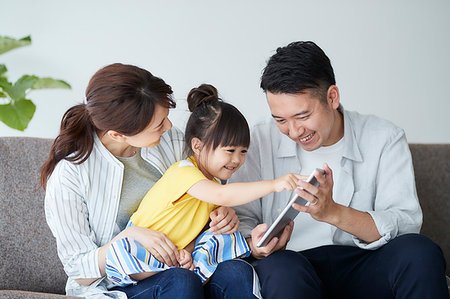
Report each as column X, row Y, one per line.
column 391, row 58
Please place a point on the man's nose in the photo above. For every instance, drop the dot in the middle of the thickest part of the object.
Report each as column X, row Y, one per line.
column 294, row 129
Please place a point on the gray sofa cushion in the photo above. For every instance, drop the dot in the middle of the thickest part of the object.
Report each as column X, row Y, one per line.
column 28, row 250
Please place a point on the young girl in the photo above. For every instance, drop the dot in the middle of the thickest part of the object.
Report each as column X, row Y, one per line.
column 179, row 204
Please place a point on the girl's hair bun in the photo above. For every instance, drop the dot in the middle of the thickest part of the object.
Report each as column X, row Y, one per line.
column 205, row 93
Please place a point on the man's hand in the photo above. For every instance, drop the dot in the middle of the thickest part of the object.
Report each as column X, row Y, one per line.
column 223, row 221
column 321, row 207
column 273, row 245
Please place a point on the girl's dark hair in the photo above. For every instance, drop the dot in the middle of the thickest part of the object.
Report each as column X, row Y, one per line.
column 119, row 97
column 213, row 121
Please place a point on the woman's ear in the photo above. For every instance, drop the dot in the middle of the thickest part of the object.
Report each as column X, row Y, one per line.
column 116, row 136
column 196, row 145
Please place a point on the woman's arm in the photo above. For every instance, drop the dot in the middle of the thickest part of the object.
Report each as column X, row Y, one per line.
column 240, row 193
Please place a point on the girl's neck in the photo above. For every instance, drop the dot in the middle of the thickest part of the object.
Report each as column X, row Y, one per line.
column 202, row 168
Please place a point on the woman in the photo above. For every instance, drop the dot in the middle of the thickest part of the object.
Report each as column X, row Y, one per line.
column 109, row 152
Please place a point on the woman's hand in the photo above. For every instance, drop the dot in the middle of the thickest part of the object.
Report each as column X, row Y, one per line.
column 223, row 221
column 157, row 243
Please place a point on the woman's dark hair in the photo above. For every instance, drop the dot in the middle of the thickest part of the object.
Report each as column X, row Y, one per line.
column 119, row 97
column 297, row 67
column 213, row 121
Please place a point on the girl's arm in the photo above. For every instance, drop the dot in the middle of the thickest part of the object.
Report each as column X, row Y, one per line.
column 236, row 194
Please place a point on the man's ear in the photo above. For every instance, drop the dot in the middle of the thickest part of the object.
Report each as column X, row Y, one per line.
column 116, row 136
column 333, row 98
column 196, row 145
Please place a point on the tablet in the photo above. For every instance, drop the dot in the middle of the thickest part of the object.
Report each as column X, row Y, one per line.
column 288, row 213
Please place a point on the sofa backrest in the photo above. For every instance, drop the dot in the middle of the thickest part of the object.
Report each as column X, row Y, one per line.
column 432, row 171
column 28, row 250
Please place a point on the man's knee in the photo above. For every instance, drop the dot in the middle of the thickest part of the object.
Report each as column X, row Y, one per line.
column 418, row 251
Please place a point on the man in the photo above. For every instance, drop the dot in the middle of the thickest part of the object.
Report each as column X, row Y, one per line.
column 358, row 236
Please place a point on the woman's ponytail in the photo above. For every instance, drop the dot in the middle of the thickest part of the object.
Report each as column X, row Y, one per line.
column 74, row 142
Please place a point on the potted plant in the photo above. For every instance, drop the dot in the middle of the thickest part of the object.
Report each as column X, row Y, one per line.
column 16, row 109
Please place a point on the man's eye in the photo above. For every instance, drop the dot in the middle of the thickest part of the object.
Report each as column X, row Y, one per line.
column 280, row 121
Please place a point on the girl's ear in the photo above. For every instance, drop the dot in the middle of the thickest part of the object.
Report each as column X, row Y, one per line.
column 196, row 145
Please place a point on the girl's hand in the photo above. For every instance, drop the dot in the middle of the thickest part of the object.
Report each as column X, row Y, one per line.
column 185, row 259
column 287, row 182
column 223, row 221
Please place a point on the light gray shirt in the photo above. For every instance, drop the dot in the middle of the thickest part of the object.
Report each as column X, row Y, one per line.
column 376, row 177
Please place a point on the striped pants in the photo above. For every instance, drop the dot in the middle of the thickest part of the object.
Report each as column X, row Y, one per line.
column 127, row 256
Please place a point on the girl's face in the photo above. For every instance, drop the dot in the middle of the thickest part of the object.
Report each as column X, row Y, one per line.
column 222, row 162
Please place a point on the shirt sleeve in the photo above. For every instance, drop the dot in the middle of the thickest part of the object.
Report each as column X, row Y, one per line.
column 181, row 177
column 249, row 214
column 67, row 216
column 396, row 210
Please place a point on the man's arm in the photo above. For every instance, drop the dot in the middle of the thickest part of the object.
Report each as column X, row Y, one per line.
column 323, row 208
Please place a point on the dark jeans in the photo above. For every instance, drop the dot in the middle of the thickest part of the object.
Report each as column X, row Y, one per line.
column 409, row 266
column 232, row 279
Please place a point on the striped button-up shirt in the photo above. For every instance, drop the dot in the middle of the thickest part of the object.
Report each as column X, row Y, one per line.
column 81, row 205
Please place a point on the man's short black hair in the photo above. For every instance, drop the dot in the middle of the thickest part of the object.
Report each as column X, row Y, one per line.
column 297, row 67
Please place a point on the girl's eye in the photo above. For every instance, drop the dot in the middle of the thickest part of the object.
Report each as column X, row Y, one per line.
column 244, row 151
column 231, row 150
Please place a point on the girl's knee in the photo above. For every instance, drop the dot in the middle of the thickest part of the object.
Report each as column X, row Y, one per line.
column 185, row 280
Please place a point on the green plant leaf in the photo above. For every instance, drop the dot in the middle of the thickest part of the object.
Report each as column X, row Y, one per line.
column 42, row 83
column 9, row 43
column 3, row 95
column 22, row 85
column 17, row 114
column 3, row 70
column 5, row 85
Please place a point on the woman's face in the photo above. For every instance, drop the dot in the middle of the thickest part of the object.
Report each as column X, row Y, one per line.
column 151, row 135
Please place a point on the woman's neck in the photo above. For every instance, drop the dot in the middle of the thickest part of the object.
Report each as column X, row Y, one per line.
column 118, row 149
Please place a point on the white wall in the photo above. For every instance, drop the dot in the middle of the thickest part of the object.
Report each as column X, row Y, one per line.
column 391, row 58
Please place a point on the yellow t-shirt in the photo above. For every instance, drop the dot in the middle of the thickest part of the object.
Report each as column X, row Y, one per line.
column 169, row 209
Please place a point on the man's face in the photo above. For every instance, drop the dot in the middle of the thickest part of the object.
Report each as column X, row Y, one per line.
column 306, row 119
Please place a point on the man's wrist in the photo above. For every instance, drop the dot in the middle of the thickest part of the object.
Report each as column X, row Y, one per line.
column 337, row 216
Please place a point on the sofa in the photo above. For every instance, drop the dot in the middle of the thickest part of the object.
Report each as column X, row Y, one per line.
column 29, row 264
